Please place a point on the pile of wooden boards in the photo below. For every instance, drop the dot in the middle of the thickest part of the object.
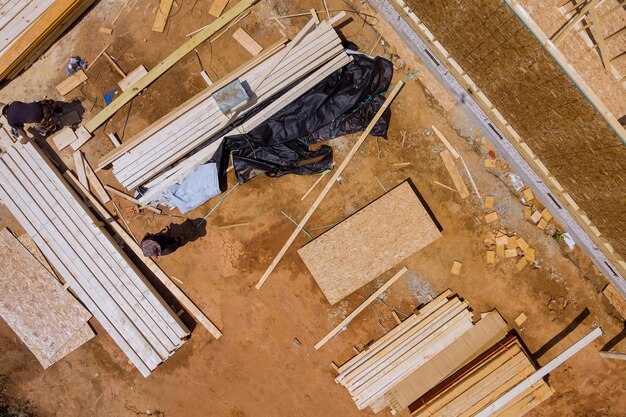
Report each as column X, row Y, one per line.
column 312, row 55
column 503, row 244
column 370, row 242
column 481, row 382
column 87, row 258
column 47, row 318
column 376, row 371
column 29, row 27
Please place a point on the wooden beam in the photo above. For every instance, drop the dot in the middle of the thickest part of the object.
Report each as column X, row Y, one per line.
column 597, row 30
column 163, row 13
column 134, row 247
column 114, row 64
column 79, row 168
column 329, row 184
column 454, row 174
column 71, row 82
column 447, row 144
column 166, row 64
column 360, row 308
column 539, row 374
column 314, row 185
column 217, row 8
column 133, row 200
column 247, row 42
column 114, row 139
column 613, row 355
column 63, row 138
column 95, row 183
column 132, row 77
column 558, row 36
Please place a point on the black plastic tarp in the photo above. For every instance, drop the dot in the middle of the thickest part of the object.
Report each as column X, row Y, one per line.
column 342, row 103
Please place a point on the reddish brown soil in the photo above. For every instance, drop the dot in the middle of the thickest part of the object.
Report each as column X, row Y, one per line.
column 265, row 364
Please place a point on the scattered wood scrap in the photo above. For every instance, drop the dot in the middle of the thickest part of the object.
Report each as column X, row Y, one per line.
column 108, row 31
column 528, row 194
column 217, row 8
column 456, row 268
column 363, row 246
column 71, row 82
column 489, row 200
column 95, row 183
column 490, row 163
column 134, row 76
column 519, row 320
column 79, row 168
column 63, row 138
column 491, row 217
column 247, row 42
column 162, row 14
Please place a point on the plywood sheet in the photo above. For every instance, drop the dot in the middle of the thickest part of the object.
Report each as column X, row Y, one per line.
column 370, row 242
column 34, row 304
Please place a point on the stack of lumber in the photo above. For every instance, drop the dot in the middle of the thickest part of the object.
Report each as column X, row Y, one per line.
column 481, row 382
column 370, row 242
column 409, row 346
column 88, row 259
column 314, row 54
column 48, row 319
column 29, row 27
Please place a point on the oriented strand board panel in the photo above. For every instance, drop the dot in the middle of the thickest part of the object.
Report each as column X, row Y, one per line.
column 554, row 119
column 369, row 242
column 34, row 304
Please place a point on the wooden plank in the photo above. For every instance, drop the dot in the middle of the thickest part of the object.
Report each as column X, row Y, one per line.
column 616, row 299
column 34, row 304
column 114, row 139
column 489, row 329
column 114, row 64
column 539, row 374
column 613, row 355
column 134, row 247
column 63, row 138
column 79, row 168
column 132, row 77
column 580, row 14
column 454, row 174
column 247, row 42
column 71, row 82
column 162, row 14
column 217, row 7
column 370, row 242
column 95, row 183
column 447, row 144
column 126, row 197
column 166, row 64
column 329, row 184
column 360, row 308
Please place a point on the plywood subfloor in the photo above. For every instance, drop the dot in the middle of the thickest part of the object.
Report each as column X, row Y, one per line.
column 370, row 242
column 35, row 305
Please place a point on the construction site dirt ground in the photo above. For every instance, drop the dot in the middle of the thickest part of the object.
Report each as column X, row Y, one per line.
column 265, row 364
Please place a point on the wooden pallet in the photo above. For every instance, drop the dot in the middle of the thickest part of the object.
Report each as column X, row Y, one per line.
column 86, row 256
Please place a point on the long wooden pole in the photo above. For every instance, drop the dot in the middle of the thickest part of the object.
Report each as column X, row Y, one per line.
column 360, row 308
column 550, row 366
column 158, row 272
column 329, row 184
column 166, row 64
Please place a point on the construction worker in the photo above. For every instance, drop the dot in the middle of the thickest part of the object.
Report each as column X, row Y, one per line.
column 45, row 115
column 172, row 237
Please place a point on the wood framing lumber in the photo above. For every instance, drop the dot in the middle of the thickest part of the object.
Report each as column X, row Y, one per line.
column 217, row 7
column 115, row 65
column 126, row 197
column 166, row 64
column 597, row 30
column 95, row 183
column 360, row 308
column 616, row 299
column 539, row 374
column 580, row 14
column 79, row 168
column 71, row 82
column 114, row 139
column 447, row 144
column 132, row 77
column 314, row 185
column 63, row 138
column 174, row 115
column 613, row 355
column 448, row 162
column 162, row 14
column 187, row 304
column 330, row 183
column 247, row 41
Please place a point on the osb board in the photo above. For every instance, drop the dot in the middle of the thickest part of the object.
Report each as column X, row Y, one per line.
column 34, row 304
column 369, row 242
column 540, row 102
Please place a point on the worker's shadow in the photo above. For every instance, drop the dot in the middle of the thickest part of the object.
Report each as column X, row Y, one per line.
column 188, row 231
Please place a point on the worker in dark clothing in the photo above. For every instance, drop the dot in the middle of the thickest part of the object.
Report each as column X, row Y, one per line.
column 45, row 115
column 172, row 237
